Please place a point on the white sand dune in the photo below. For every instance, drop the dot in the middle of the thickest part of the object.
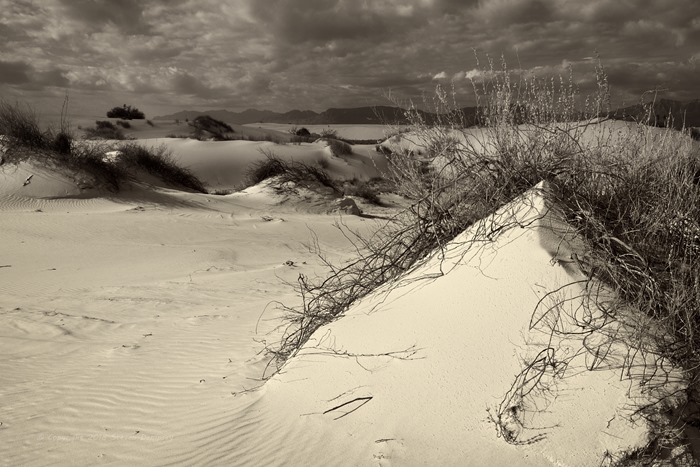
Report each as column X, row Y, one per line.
column 126, row 321
column 128, row 327
column 407, row 375
column 223, row 164
column 348, row 131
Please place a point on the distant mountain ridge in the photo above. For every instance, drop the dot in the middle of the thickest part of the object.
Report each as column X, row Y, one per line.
column 658, row 112
column 682, row 114
column 358, row 115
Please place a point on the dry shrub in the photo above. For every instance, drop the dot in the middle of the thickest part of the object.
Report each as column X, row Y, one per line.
column 295, row 172
column 158, row 162
column 339, row 148
column 633, row 197
column 105, row 130
column 24, row 140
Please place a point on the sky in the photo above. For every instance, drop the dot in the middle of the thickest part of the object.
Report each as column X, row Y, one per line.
column 168, row 55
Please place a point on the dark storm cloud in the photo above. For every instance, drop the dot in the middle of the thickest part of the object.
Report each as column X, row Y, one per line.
column 14, row 72
column 126, row 15
column 185, row 83
column 316, row 54
column 9, row 34
column 676, row 79
column 328, row 20
column 25, row 76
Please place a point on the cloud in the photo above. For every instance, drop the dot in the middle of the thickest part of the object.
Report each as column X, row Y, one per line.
column 14, row 72
column 185, row 83
column 319, row 21
column 511, row 12
column 25, row 76
column 320, row 53
column 125, row 15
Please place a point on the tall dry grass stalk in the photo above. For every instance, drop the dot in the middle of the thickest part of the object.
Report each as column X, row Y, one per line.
column 630, row 191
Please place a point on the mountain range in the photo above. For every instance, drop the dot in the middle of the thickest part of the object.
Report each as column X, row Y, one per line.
column 658, row 112
column 358, row 115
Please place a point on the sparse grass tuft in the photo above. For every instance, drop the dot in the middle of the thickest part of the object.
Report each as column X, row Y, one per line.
column 339, row 148
column 20, row 126
column 295, row 172
column 221, row 192
column 24, row 141
column 158, row 162
column 209, row 127
column 633, row 196
column 261, row 171
column 368, row 190
column 104, row 130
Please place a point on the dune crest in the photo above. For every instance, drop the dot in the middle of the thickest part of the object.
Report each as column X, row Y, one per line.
column 410, row 374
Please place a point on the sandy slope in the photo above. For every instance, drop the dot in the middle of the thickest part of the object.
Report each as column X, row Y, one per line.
column 354, row 131
column 407, row 376
column 127, row 327
column 127, row 321
column 223, row 163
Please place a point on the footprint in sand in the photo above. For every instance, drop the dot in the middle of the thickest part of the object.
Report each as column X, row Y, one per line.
column 387, row 449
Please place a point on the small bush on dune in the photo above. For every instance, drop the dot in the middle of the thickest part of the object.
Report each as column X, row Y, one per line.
column 301, row 139
column 205, row 125
column 158, row 162
column 124, row 124
column 261, row 171
column 25, row 141
column 20, row 126
column 634, row 199
column 126, row 112
column 368, row 190
column 221, row 192
column 329, row 133
column 104, row 130
column 295, row 172
column 89, row 159
column 339, row 148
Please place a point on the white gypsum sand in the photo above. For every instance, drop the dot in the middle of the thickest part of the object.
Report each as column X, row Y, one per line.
column 130, row 320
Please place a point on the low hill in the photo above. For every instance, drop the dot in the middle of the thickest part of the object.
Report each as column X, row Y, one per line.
column 359, row 115
column 682, row 114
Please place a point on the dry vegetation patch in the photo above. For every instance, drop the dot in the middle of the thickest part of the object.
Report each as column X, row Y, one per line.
column 633, row 196
column 24, row 140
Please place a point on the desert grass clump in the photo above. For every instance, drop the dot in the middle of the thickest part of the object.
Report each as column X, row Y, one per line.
column 158, row 162
column 263, row 170
column 84, row 160
column 298, row 139
column 206, row 126
column 299, row 173
column 631, row 193
column 20, row 127
column 105, row 129
column 126, row 112
column 368, row 190
column 339, row 148
column 221, row 192
column 24, row 140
